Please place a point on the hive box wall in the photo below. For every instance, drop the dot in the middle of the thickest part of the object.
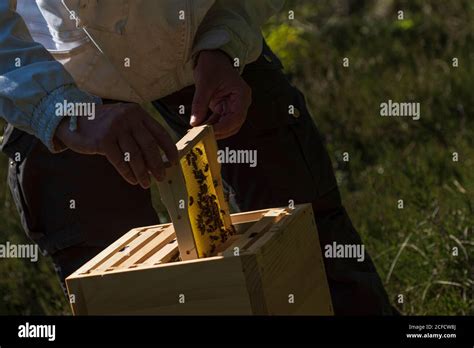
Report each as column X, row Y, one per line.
column 210, row 286
column 274, row 267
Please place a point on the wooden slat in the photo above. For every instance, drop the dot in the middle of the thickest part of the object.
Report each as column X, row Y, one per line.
column 127, row 250
column 163, row 255
column 276, row 215
column 254, row 232
column 108, row 252
column 248, row 216
column 192, row 137
column 166, row 236
column 172, row 189
column 280, row 224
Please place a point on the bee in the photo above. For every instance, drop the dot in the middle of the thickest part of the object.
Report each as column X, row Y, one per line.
column 206, row 168
column 191, row 200
column 199, row 176
column 193, row 162
column 207, row 214
column 200, row 224
column 222, row 211
column 231, row 230
column 188, row 159
column 214, row 237
column 202, row 229
column 199, row 151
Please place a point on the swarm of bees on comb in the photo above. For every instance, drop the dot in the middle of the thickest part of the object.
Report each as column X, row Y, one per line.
column 204, row 209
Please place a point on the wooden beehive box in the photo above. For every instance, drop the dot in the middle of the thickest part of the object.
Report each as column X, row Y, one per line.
column 272, row 266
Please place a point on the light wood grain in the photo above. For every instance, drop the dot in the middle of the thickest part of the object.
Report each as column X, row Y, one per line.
column 283, row 258
column 214, row 287
column 291, row 264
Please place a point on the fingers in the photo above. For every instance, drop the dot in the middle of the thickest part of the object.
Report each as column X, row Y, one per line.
column 142, row 139
column 214, row 118
column 150, row 151
column 200, row 106
column 229, row 131
column 129, row 138
column 115, row 156
column 134, row 156
column 219, row 110
column 163, row 139
column 234, row 116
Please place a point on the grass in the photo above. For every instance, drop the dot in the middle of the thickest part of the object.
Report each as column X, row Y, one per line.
column 390, row 159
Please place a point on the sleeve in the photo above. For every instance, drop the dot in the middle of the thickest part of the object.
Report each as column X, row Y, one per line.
column 233, row 26
column 32, row 83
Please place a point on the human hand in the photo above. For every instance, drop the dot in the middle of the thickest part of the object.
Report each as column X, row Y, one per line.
column 219, row 87
column 121, row 129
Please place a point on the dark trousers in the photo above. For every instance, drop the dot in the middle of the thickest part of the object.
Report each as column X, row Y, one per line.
column 74, row 206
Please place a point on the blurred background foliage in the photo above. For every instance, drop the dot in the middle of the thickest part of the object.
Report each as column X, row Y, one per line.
column 390, row 159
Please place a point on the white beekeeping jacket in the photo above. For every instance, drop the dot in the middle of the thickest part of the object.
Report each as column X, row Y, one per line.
column 129, row 50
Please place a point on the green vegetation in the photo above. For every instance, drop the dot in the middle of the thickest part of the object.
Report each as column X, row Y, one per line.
column 25, row 287
column 396, row 158
column 391, row 158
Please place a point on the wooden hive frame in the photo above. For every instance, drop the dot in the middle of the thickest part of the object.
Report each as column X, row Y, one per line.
column 179, row 186
column 274, row 257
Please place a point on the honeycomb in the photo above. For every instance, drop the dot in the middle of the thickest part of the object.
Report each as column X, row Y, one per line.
column 205, row 211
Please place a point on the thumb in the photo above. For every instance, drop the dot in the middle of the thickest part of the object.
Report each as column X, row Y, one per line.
column 200, row 106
